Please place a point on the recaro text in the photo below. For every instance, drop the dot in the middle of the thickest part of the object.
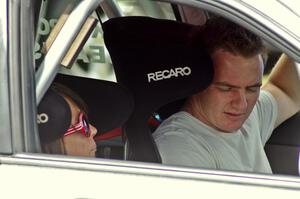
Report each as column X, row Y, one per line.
column 166, row 74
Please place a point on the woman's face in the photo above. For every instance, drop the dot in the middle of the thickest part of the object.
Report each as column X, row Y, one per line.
column 77, row 144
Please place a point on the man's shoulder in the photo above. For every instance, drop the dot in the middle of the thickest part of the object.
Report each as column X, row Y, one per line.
column 172, row 126
column 265, row 103
column 180, row 121
column 266, row 95
column 181, row 126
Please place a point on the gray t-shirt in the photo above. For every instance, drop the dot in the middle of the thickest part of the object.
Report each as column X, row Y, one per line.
column 183, row 140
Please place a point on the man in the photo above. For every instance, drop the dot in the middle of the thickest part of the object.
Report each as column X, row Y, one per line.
column 227, row 125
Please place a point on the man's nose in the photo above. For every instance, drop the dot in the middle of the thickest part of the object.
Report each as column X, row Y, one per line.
column 93, row 130
column 239, row 101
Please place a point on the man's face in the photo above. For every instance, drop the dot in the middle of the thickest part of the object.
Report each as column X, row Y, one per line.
column 229, row 100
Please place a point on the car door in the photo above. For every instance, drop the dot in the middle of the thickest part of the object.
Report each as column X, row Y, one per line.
column 26, row 172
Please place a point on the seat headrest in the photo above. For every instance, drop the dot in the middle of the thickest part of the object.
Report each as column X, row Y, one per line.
column 156, row 59
column 109, row 104
column 54, row 116
column 159, row 63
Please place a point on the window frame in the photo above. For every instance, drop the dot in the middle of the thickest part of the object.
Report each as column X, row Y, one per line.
column 5, row 127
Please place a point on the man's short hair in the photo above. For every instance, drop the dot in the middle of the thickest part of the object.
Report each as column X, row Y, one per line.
column 219, row 32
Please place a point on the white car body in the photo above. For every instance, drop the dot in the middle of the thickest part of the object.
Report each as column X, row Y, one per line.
column 27, row 174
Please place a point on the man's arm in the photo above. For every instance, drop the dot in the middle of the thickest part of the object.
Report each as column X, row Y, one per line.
column 284, row 85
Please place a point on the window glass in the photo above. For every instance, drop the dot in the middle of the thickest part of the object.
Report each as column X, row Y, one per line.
column 146, row 8
column 93, row 61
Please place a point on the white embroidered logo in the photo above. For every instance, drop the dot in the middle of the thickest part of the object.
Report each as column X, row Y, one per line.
column 42, row 118
column 166, row 74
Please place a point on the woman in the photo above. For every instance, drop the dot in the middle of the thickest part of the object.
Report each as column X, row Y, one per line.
column 63, row 124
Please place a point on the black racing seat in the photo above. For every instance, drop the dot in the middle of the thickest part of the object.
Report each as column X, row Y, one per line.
column 282, row 148
column 156, row 60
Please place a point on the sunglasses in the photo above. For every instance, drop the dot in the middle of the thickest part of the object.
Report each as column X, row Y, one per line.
column 82, row 126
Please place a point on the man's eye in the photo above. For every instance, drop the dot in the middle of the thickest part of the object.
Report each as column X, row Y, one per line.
column 253, row 88
column 224, row 88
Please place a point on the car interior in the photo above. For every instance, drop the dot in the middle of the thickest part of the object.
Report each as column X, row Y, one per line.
column 105, row 112
column 143, row 51
column 145, row 47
